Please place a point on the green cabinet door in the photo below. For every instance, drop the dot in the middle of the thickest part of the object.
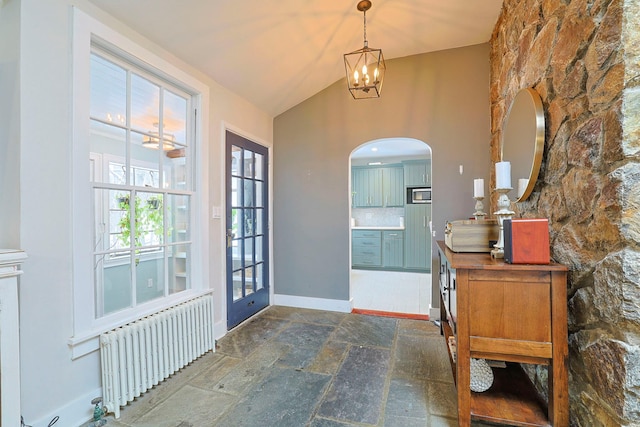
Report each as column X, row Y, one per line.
column 366, row 187
column 393, row 186
column 366, row 250
column 417, row 173
column 393, row 249
column 417, row 239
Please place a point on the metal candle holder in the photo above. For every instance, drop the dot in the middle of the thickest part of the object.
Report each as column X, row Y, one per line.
column 479, row 213
column 504, row 212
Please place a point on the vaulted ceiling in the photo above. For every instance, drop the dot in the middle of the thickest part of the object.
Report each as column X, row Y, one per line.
column 277, row 53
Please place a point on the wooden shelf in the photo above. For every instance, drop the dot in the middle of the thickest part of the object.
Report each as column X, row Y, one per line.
column 512, row 400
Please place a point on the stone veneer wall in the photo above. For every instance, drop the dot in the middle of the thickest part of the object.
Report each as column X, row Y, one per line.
column 582, row 57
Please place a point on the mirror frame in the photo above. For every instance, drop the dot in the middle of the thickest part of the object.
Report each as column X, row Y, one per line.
column 536, row 114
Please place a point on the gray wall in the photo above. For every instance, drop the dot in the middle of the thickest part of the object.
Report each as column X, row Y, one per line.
column 440, row 98
column 9, row 124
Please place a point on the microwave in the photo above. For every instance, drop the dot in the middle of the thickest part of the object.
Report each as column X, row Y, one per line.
column 418, row 195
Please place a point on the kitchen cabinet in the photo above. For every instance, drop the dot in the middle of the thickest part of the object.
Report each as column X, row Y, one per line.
column 417, row 173
column 366, row 246
column 393, row 248
column 514, row 313
column 417, row 237
column 377, row 186
column 393, row 186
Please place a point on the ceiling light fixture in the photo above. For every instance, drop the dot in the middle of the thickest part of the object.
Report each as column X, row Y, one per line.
column 153, row 140
column 365, row 67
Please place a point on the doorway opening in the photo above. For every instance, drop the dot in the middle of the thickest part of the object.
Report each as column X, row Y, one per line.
column 390, row 229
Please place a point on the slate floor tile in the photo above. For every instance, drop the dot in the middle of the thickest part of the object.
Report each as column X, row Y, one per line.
column 330, row 358
column 358, row 389
column 407, row 398
column 286, row 398
column 422, row 357
column 190, row 406
column 365, row 330
column 320, row 317
column 244, row 340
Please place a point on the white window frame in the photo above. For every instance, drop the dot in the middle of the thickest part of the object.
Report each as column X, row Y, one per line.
column 87, row 32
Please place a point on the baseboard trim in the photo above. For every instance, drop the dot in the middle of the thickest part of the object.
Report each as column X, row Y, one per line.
column 341, row 306
column 379, row 313
column 77, row 412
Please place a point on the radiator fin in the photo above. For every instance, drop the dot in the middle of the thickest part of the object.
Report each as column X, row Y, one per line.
column 141, row 354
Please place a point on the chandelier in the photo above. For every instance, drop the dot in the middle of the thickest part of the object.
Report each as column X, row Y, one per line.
column 153, row 140
column 365, row 67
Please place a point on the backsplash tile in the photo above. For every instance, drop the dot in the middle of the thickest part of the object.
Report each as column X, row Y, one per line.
column 377, row 217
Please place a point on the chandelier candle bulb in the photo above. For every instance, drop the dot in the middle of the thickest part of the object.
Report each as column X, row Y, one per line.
column 478, row 187
column 503, row 175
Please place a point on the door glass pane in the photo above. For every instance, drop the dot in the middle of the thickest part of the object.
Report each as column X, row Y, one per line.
column 150, row 277
column 145, row 105
column 236, row 160
column 236, row 191
column 248, row 251
column 248, row 164
column 248, row 186
column 236, row 230
column 237, row 285
column 236, row 254
column 259, row 220
column 258, row 250
column 259, row 276
column 248, row 222
column 258, row 166
column 248, row 281
column 259, row 192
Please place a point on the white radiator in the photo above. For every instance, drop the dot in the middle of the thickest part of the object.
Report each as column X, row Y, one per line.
column 139, row 355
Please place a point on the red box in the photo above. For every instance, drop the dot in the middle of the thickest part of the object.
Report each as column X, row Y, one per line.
column 526, row 241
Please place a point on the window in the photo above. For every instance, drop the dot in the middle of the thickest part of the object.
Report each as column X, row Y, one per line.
column 138, row 183
column 141, row 150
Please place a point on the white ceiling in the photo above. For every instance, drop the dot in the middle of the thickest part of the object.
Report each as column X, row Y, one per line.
column 277, row 53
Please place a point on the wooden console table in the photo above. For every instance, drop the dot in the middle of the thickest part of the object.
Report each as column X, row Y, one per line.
column 511, row 313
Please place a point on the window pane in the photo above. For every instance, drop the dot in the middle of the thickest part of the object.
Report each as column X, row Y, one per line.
column 150, row 277
column 108, row 91
column 259, row 220
column 248, row 192
column 175, row 116
column 174, row 169
column 145, row 105
column 236, row 191
column 248, row 222
column 149, row 219
column 179, row 266
column 109, row 142
column 114, row 283
column 144, row 170
column 248, row 251
column 236, row 221
column 120, row 224
column 236, row 257
column 179, row 214
column 259, row 254
column 236, row 160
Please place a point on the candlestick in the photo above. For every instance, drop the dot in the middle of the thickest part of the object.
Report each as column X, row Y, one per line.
column 503, row 175
column 522, row 186
column 479, row 214
column 478, row 188
column 504, row 212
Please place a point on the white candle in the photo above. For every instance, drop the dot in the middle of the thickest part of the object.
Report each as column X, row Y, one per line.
column 522, row 186
column 503, row 175
column 478, row 187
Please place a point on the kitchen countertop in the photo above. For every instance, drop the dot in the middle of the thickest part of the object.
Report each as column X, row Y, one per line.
column 377, row 227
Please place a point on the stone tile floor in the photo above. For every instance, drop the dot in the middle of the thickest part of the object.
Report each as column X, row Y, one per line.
column 298, row 367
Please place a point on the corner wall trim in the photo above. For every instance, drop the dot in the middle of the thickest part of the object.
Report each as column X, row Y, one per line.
column 342, row 306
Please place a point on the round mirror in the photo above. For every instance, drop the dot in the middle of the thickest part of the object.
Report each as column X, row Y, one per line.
column 523, row 141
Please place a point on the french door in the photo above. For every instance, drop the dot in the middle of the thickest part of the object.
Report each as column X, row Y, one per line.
column 247, row 231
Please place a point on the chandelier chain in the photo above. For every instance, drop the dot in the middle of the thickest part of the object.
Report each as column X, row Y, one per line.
column 366, row 44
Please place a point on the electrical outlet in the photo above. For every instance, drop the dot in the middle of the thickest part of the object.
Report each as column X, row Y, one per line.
column 150, row 283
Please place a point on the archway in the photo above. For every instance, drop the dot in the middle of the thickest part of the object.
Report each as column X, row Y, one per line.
column 390, row 230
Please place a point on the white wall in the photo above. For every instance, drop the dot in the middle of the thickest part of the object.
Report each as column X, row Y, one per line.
column 9, row 123
column 53, row 384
